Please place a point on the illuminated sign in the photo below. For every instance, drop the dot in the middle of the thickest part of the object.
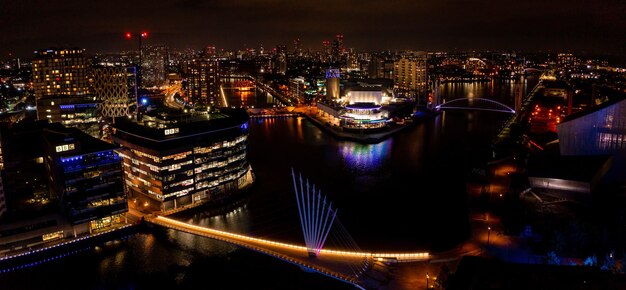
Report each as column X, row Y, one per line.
column 66, row 147
column 332, row 73
column 171, row 131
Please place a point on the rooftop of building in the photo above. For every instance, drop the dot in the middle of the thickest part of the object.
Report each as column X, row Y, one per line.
column 75, row 99
column 57, row 134
column 58, row 51
column 363, row 106
column 171, row 125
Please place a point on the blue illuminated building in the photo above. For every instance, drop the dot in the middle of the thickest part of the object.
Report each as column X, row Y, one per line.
column 86, row 175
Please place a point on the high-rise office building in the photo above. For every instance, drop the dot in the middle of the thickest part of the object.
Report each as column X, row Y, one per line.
column 180, row 160
column 410, row 75
column 60, row 72
column 153, row 65
column 113, row 91
column 203, row 81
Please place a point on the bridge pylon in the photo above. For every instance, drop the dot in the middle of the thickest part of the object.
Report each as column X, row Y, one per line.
column 316, row 216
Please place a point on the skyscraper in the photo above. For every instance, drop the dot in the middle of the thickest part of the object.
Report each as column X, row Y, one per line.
column 409, row 75
column 61, row 71
column 153, row 64
column 203, row 81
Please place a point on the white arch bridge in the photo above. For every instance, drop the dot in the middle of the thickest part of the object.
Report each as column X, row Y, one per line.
column 479, row 104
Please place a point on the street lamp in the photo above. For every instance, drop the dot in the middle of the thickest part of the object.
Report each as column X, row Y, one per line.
column 137, row 69
column 488, row 233
column 427, row 277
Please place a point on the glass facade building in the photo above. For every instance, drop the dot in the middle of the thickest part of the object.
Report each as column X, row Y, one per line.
column 175, row 161
column 86, row 174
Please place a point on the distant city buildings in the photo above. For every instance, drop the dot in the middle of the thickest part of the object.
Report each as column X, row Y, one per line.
column 62, row 71
column 153, row 65
column 175, row 161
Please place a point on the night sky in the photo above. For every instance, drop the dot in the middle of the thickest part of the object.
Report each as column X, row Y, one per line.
column 592, row 26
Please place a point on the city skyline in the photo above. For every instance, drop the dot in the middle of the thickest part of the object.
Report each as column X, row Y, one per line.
column 585, row 27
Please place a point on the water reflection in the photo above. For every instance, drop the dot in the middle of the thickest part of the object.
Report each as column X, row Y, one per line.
column 364, row 157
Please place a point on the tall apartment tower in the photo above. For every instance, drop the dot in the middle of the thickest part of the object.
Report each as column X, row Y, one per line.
column 60, row 72
column 203, row 81
column 111, row 86
column 153, row 63
column 410, row 75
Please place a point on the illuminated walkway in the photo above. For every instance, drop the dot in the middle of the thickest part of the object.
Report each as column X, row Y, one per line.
column 336, row 264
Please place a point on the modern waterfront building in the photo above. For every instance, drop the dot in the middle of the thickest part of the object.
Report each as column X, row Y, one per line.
column 86, row 175
column 171, row 161
column 78, row 112
column 410, row 75
column 364, row 116
column 112, row 88
column 61, row 71
column 153, row 64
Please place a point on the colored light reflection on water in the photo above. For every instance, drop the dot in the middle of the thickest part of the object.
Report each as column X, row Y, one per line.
column 365, row 157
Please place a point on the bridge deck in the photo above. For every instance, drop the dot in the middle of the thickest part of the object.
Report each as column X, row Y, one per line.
column 341, row 265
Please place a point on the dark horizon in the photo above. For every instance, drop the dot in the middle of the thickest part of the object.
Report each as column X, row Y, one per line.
column 581, row 27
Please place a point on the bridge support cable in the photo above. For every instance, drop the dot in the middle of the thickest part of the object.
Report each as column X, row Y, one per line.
column 342, row 238
column 316, row 216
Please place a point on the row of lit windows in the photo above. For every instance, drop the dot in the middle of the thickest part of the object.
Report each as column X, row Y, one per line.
column 182, row 192
column 186, row 182
column 221, row 179
column 104, row 202
column 609, row 141
column 177, row 156
column 146, row 155
column 173, row 176
column 137, row 162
